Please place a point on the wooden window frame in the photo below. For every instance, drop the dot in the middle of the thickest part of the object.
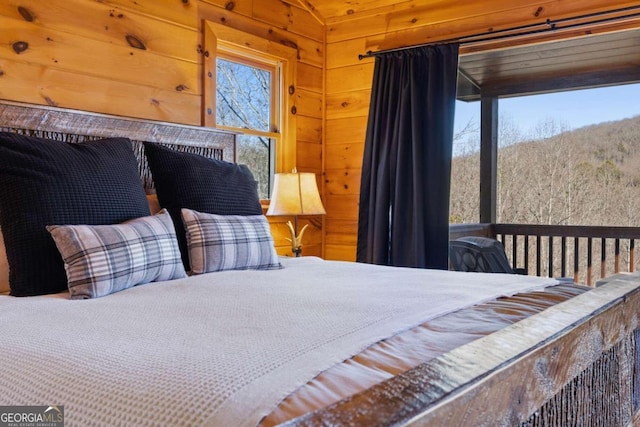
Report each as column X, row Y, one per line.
column 220, row 40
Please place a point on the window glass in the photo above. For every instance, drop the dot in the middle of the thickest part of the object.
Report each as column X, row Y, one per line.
column 257, row 153
column 245, row 101
column 243, row 95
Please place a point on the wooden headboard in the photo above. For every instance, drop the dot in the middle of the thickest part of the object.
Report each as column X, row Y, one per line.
column 77, row 126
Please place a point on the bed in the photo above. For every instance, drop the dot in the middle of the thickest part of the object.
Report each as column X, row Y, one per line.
column 302, row 341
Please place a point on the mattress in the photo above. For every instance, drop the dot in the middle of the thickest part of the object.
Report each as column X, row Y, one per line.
column 226, row 348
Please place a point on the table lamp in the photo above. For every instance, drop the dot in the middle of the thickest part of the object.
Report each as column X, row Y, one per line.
column 295, row 194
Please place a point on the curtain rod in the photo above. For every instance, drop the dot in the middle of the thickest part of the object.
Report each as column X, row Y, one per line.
column 523, row 30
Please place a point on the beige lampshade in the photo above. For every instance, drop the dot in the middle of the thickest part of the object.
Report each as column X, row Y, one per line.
column 295, row 194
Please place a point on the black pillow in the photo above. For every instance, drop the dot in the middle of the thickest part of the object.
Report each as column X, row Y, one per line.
column 46, row 182
column 186, row 180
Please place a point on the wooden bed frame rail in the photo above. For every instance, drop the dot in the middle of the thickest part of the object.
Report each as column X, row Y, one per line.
column 574, row 364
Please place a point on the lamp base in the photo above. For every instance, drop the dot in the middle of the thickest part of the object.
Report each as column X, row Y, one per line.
column 296, row 239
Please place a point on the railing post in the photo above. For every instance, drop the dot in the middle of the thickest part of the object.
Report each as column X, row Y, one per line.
column 603, row 257
column 550, row 256
column 526, row 253
column 538, row 255
column 576, row 259
column 563, row 256
column 589, row 260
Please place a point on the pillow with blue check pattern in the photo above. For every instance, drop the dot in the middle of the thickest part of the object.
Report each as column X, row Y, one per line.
column 103, row 259
column 228, row 242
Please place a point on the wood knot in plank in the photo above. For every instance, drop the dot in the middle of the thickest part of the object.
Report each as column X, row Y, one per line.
column 230, row 5
column 135, row 42
column 538, row 11
column 26, row 14
column 1, row 73
column 50, row 101
column 180, row 88
column 20, row 46
column 316, row 222
column 289, row 43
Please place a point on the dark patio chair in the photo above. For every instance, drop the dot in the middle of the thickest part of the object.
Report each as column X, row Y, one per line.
column 480, row 254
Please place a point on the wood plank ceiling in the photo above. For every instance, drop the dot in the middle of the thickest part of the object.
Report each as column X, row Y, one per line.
column 573, row 55
column 332, row 11
column 574, row 63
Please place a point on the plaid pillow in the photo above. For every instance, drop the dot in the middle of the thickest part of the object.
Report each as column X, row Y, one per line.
column 102, row 259
column 229, row 242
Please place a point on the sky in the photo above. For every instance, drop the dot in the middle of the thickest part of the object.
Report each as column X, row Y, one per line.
column 574, row 109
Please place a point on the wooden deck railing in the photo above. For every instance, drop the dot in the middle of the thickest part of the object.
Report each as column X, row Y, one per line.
column 583, row 253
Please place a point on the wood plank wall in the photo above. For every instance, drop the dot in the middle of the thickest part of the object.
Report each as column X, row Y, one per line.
column 348, row 80
column 75, row 54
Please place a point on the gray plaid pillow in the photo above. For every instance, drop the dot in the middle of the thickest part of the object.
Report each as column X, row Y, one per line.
column 229, row 242
column 102, row 259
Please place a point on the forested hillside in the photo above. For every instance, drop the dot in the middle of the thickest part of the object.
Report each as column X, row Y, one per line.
column 588, row 176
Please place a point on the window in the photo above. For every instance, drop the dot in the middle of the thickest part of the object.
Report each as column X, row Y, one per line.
column 246, row 94
column 245, row 103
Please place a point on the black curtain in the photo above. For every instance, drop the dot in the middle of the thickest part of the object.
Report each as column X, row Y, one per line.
column 406, row 171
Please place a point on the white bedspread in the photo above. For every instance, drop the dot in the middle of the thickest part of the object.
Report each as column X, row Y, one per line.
column 216, row 349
